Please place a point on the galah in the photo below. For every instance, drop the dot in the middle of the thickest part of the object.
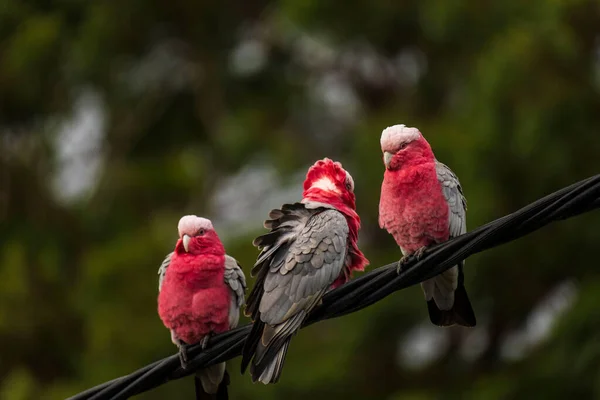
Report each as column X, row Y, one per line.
column 422, row 204
column 311, row 248
column 201, row 291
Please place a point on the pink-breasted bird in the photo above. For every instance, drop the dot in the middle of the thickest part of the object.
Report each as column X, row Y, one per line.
column 201, row 291
column 312, row 247
column 422, row 204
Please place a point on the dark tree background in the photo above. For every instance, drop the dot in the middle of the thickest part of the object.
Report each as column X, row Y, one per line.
column 117, row 118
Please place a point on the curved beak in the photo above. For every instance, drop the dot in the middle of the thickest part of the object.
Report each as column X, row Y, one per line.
column 186, row 242
column 387, row 158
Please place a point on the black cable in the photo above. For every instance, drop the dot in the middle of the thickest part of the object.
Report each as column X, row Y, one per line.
column 371, row 287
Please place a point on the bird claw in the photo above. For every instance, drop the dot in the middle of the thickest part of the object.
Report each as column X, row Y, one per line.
column 419, row 253
column 403, row 261
column 204, row 342
column 183, row 357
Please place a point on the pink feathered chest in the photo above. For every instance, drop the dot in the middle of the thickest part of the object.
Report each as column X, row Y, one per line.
column 194, row 299
column 412, row 207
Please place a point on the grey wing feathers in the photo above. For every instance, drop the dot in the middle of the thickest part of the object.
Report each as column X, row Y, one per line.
column 447, row 300
column 236, row 280
column 163, row 269
column 300, row 258
column 457, row 203
column 285, row 224
column 297, row 278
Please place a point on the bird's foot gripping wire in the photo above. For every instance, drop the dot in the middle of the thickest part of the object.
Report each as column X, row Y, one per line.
column 204, row 342
column 183, row 356
column 419, row 253
column 404, row 260
column 181, row 346
column 401, row 264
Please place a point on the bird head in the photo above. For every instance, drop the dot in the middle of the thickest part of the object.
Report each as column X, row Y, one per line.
column 197, row 236
column 328, row 182
column 403, row 146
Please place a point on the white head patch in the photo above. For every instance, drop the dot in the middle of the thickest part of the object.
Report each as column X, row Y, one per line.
column 392, row 137
column 191, row 224
column 325, row 184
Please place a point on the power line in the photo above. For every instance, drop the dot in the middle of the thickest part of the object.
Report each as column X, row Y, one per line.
column 371, row 287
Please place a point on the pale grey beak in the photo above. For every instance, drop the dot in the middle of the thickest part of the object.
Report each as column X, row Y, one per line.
column 186, row 242
column 387, row 158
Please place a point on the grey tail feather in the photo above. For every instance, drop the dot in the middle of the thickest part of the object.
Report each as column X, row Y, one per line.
column 211, row 382
column 251, row 343
column 268, row 370
column 268, row 346
column 221, row 393
column 461, row 312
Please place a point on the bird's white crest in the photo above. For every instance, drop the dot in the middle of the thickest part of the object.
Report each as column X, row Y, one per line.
column 394, row 136
column 325, row 184
column 190, row 224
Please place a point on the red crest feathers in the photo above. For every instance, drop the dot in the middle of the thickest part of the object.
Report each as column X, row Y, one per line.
column 325, row 168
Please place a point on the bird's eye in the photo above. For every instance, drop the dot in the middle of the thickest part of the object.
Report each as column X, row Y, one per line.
column 403, row 145
column 349, row 183
column 201, row 232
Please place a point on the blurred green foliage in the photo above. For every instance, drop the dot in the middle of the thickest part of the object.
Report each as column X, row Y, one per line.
column 180, row 96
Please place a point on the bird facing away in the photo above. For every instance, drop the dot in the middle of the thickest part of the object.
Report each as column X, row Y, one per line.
column 311, row 247
column 422, row 204
column 201, row 291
